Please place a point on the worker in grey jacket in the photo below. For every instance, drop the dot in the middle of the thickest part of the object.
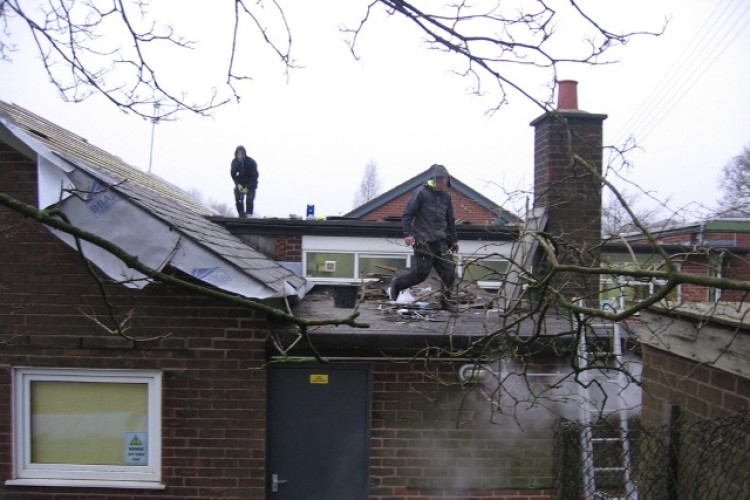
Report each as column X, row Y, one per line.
column 430, row 228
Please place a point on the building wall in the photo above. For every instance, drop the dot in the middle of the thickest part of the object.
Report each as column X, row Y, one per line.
column 693, row 237
column 288, row 248
column 695, row 264
column 736, row 267
column 463, row 207
column 213, row 397
column 278, row 247
column 433, row 439
column 701, row 391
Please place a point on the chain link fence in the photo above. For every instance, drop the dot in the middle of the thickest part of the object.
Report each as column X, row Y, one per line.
column 702, row 461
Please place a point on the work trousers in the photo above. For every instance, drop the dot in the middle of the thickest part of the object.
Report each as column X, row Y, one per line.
column 244, row 201
column 426, row 256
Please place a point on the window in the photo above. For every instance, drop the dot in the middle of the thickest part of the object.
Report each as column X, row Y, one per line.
column 330, row 265
column 92, row 428
column 484, row 270
column 369, row 264
column 625, row 291
column 343, row 266
column 715, row 262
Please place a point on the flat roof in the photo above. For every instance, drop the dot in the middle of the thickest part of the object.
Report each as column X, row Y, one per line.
column 398, row 330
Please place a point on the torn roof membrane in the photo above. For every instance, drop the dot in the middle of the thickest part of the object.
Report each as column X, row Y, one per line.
column 142, row 214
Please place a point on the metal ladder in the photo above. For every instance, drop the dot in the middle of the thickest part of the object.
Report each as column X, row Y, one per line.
column 589, row 443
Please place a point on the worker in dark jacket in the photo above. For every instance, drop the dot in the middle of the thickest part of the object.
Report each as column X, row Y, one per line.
column 430, row 228
column 244, row 173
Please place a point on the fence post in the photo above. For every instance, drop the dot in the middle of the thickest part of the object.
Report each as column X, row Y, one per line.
column 671, row 418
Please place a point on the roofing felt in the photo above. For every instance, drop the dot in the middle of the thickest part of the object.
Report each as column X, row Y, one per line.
column 155, row 195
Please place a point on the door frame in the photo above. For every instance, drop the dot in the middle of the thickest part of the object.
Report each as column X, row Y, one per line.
column 332, row 366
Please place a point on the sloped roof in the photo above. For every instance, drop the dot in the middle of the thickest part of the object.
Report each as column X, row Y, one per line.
column 420, row 179
column 207, row 242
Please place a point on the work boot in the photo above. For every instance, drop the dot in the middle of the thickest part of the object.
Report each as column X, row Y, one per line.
column 392, row 290
column 448, row 306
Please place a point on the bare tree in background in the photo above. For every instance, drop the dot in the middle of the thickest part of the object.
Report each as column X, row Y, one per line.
column 221, row 208
column 735, row 186
column 616, row 219
column 369, row 186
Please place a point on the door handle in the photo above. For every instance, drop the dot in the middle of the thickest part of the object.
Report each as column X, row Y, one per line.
column 275, row 481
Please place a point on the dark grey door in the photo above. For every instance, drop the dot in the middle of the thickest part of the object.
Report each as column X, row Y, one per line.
column 318, row 432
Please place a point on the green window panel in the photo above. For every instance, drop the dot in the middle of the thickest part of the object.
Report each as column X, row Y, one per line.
column 85, row 422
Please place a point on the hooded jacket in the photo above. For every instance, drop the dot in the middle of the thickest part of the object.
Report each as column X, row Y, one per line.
column 428, row 215
column 244, row 173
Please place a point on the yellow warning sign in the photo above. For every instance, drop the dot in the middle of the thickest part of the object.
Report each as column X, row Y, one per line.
column 319, row 378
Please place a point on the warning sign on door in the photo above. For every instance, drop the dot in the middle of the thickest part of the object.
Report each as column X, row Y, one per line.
column 136, row 448
column 319, row 378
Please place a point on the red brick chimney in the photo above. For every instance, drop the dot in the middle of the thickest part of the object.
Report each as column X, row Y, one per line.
column 566, row 186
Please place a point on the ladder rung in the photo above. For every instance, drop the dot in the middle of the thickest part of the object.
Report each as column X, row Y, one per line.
column 606, row 440
column 609, row 469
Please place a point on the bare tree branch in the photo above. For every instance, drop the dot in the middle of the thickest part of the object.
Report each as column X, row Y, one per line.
column 133, row 262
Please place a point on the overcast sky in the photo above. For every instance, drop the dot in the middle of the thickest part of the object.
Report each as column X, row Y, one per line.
column 683, row 95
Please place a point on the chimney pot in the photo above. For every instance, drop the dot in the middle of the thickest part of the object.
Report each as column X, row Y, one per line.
column 567, row 94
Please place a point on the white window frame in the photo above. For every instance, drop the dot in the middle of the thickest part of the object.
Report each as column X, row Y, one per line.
column 27, row 473
column 356, row 246
column 615, row 281
column 356, row 258
column 395, row 247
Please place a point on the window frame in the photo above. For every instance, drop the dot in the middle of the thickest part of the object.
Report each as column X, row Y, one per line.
column 356, row 258
column 623, row 289
column 466, row 261
column 27, row 473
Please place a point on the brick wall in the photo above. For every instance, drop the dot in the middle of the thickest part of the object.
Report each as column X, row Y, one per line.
column 570, row 192
column 463, row 208
column 278, row 247
column 568, row 189
column 736, row 267
column 288, row 248
column 432, row 439
column 701, row 391
column 698, row 265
